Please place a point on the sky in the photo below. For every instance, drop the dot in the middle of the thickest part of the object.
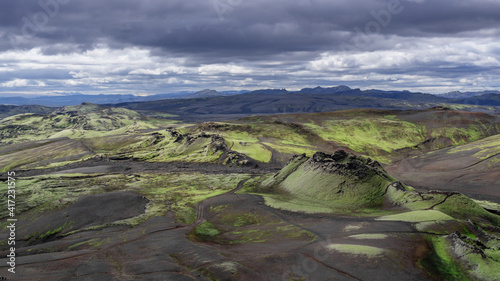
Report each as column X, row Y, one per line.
column 166, row 46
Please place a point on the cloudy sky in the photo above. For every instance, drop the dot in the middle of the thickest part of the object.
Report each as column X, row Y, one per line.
column 147, row 47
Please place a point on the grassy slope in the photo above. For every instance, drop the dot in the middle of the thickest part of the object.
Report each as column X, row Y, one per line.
column 82, row 121
column 304, row 185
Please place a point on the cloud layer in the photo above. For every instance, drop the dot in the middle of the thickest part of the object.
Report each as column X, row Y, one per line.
column 148, row 47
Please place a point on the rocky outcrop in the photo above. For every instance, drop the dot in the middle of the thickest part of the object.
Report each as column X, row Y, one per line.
column 463, row 245
column 214, row 143
column 339, row 177
column 342, row 163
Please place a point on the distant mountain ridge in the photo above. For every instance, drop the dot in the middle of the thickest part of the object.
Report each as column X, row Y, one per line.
column 216, row 105
column 481, row 98
column 463, row 95
column 78, row 98
column 276, row 101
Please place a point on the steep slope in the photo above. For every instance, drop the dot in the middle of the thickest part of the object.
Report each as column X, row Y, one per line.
column 339, row 179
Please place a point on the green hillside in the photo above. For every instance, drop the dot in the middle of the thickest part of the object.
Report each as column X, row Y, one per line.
column 85, row 120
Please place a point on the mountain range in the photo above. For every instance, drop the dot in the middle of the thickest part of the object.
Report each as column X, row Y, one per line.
column 65, row 99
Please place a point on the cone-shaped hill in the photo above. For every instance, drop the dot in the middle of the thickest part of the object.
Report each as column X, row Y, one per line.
column 462, row 233
column 345, row 182
column 340, row 178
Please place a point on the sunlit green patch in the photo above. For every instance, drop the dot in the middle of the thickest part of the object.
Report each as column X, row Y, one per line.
column 82, row 121
column 292, row 148
column 417, row 216
column 372, row 136
column 295, row 204
column 206, row 231
column 354, row 249
column 180, row 193
column 485, row 267
column 413, row 200
column 253, row 150
column 53, row 232
column 488, row 205
column 92, row 242
column 44, row 193
column 331, row 190
column 482, row 149
column 354, row 227
column 375, row 236
column 461, row 206
column 431, row 227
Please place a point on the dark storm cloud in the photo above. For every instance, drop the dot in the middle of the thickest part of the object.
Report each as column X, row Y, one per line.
column 250, row 28
column 211, row 42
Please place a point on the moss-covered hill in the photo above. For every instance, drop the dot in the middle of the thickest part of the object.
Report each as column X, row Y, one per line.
column 71, row 121
column 338, row 179
column 464, row 236
column 343, row 181
column 10, row 110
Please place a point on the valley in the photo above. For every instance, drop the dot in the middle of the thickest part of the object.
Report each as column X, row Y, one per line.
column 108, row 193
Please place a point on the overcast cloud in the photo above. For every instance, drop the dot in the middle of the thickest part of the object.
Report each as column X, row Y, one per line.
column 151, row 46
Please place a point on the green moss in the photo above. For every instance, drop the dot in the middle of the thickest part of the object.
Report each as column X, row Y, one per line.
column 292, row 148
column 180, row 193
column 206, row 231
column 488, row 205
column 354, row 249
column 440, row 263
column 374, row 236
column 267, row 233
column 372, row 136
column 73, row 122
column 253, row 150
column 335, row 190
column 296, row 204
column 92, row 242
column 240, row 219
column 353, row 227
column 42, row 155
column 432, row 227
column 61, row 228
column 461, row 206
column 254, row 185
column 417, row 216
